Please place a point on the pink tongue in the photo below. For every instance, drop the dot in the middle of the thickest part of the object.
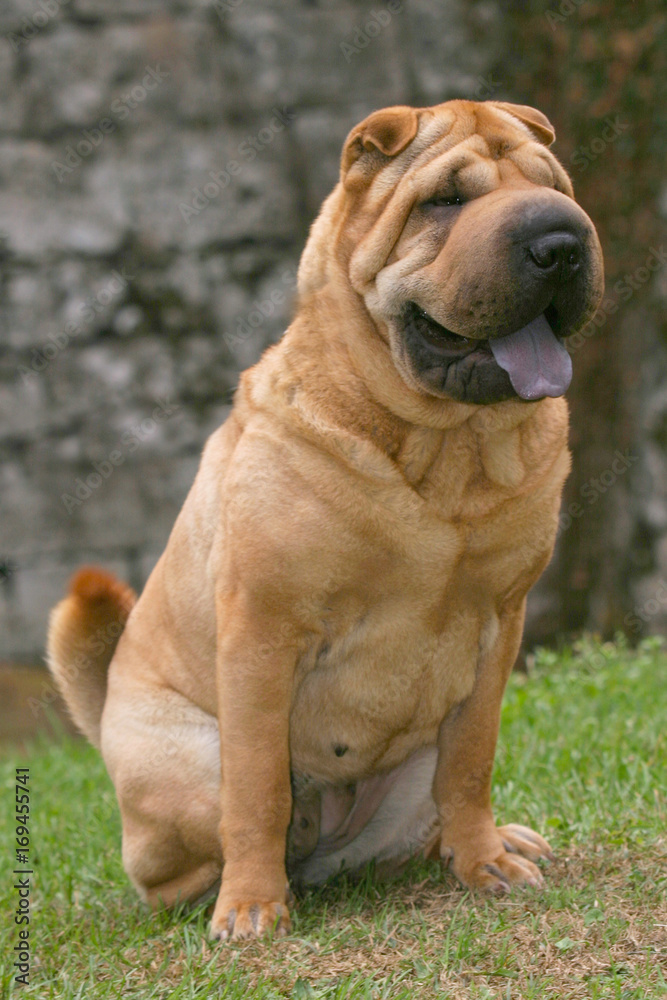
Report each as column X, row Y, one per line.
column 535, row 360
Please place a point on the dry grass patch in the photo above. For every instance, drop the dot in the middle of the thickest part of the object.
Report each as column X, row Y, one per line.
column 435, row 938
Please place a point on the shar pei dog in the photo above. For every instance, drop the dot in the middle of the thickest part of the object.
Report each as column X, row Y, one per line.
column 312, row 676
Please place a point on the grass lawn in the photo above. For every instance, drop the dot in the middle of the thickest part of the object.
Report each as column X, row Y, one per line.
column 582, row 758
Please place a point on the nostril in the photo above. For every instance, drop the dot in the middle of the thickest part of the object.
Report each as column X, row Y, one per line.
column 556, row 250
column 544, row 257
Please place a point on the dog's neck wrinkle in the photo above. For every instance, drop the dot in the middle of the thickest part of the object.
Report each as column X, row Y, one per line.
column 308, row 379
column 330, row 382
column 420, row 449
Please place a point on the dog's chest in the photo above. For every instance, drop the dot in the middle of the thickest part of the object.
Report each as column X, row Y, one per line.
column 397, row 656
column 402, row 643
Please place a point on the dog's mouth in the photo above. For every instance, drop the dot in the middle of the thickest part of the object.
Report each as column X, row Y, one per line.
column 534, row 357
column 439, row 336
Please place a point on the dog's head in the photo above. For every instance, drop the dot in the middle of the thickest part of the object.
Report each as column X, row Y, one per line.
column 459, row 230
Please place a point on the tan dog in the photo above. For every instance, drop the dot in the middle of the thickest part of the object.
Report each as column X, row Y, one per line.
column 324, row 644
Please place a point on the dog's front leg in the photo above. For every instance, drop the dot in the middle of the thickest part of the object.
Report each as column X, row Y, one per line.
column 256, row 658
column 482, row 855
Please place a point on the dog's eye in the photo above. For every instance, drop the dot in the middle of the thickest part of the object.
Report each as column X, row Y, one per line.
column 445, row 201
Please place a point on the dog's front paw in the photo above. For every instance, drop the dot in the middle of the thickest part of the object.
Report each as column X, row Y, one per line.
column 518, row 839
column 235, row 921
column 499, row 859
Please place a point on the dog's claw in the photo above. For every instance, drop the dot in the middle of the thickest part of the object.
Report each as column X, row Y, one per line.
column 502, row 874
column 524, row 841
column 515, row 865
column 249, row 920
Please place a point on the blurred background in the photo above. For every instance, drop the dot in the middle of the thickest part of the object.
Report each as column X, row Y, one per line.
column 160, row 164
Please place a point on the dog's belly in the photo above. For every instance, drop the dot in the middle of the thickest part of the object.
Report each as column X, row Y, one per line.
column 377, row 694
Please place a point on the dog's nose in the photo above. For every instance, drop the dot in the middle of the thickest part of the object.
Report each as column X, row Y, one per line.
column 556, row 251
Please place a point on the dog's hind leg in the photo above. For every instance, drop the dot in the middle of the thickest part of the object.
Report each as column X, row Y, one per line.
column 162, row 753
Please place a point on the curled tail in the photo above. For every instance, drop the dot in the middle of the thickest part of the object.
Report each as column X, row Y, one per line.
column 84, row 630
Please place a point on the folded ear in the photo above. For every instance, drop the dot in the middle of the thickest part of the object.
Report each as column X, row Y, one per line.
column 538, row 123
column 388, row 131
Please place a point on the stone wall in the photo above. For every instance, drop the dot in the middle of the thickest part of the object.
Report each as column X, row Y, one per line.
column 160, row 163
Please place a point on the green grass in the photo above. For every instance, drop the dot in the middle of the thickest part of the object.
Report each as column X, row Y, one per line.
column 582, row 758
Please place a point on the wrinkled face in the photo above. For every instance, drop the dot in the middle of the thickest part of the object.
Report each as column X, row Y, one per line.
column 464, row 241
